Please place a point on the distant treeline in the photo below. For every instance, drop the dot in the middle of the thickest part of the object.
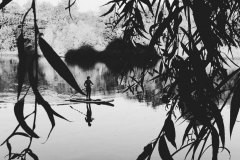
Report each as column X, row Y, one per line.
column 55, row 23
column 119, row 56
column 62, row 32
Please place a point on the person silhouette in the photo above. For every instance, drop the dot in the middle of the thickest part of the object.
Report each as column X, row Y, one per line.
column 88, row 117
column 88, row 84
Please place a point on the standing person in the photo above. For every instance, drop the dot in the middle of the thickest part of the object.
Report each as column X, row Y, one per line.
column 88, row 84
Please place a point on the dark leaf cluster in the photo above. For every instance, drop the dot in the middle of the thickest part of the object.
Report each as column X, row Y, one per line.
column 189, row 36
column 28, row 67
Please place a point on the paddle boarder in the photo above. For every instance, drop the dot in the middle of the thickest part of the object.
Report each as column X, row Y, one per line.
column 88, row 84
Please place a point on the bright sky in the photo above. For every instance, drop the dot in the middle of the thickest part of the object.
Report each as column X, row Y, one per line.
column 84, row 5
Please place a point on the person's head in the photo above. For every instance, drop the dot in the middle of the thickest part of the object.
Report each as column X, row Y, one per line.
column 88, row 77
column 89, row 124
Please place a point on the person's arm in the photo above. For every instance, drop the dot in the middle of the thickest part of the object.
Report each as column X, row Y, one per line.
column 91, row 82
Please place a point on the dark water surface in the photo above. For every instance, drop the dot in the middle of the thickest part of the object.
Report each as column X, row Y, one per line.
column 116, row 133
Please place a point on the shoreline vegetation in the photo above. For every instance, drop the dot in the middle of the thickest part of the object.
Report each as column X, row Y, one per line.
column 58, row 28
column 119, row 56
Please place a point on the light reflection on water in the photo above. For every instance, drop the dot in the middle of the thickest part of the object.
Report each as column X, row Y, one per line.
column 105, row 82
column 117, row 133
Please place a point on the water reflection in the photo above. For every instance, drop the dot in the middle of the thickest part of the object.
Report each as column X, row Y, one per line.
column 116, row 133
column 138, row 126
column 88, row 117
column 105, row 81
column 118, row 56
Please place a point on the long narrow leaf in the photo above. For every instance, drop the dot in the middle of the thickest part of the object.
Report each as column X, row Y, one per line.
column 215, row 143
column 70, row 4
column 58, row 65
column 128, row 7
column 15, row 155
column 190, row 125
column 69, row 7
column 18, row 110
column 33, row 155
column 235, row 105
column 41, row 101
column 4, row 3
column 113, row 1
column 163, row 149
column 21, row 134
column 219, row 120
column 9, row 149
column 147, row 2
column 163, row 26
column 170, row 131
column 139, row 18
column 146, row 152
column 109, row 11
column 22, row 63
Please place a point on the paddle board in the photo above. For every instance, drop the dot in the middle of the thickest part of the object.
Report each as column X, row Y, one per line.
column 91, row 101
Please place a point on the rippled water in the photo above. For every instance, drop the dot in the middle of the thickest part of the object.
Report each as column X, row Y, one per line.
column 117, row 133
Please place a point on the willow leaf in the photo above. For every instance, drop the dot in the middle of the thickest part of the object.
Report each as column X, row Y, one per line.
column 41, row 101
column 109, row 11
column 219, row 120
column 69, row 7
column 170, row 131
column 15, row 155
column 235, row 105
column 18, row 110
column 4, row 3
column 163, row 149
column 21, row 134
column 215, row 143
column 22, row 62
column 190, row 125
column 58, row 65
column 33, row 155
column 128, row 7
column 9, row 149
column 147, row 2
column 146, row 152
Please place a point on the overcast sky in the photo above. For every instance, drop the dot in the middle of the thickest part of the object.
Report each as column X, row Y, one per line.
column 84, row 5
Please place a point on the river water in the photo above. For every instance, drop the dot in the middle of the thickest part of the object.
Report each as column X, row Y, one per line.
column 117, row 132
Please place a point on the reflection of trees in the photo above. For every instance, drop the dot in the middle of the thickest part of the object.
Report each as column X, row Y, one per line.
column 110, row 81
column 8, row 70
column 119, row 56
column 106, row 82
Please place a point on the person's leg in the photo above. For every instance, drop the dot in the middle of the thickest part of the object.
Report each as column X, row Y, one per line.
column 89, row 93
